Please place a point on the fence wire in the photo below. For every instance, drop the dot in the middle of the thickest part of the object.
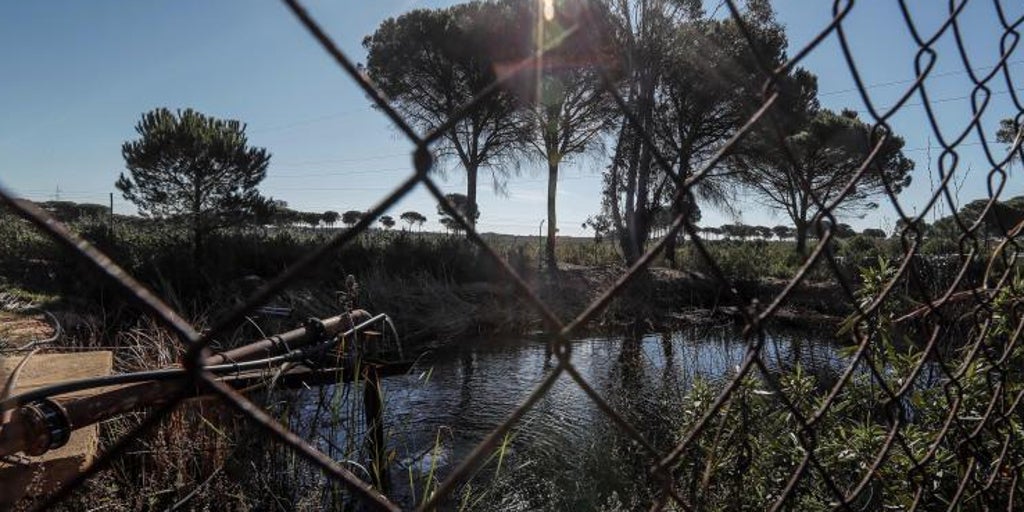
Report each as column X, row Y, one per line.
column 984, row 427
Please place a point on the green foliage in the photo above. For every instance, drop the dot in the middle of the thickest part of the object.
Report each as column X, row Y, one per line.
column 994, row 220
column 413, row 218
column 862, row 246
column 462, row 206
column 692, row 83
column 189, row 164
column 191, row 167
column 563, row 107
column 600, row 224
column 69, row 211
column 940, row 245
column 748, row 450
column 822, row 150
column 749, row 261
column 782, row 231
column 432, row 61
column 1009, row 133
column 151, row 250
column 330, row 217
column 351, row 217
column 873, row 233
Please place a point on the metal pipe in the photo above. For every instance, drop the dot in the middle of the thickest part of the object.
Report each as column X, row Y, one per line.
column 39, row 422
column 290, row 339
column 175, row 373
column 34, row 432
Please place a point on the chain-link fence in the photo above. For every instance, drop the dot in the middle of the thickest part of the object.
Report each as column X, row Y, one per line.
column 969, row 457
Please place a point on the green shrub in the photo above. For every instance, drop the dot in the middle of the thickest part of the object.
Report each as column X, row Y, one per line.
column 745, row 454
column 746, row 260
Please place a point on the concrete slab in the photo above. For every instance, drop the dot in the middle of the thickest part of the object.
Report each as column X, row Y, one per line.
column 37, row 476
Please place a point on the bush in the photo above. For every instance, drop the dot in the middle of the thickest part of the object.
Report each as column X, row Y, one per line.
column 747, row 260
column 940, row 245
column 747, row 451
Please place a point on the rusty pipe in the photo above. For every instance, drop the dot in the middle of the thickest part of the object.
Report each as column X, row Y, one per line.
column 291, row 339
column 175, row 373
column 47, row 423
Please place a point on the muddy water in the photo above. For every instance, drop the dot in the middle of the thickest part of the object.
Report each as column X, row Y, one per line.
column 565, row 454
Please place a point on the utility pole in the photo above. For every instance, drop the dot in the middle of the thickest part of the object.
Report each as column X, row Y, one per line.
column 937, row 211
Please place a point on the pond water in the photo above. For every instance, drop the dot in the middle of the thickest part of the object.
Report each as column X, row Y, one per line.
column 565, row 454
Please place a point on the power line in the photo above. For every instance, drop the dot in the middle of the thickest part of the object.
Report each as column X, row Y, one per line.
column 912, row 80
column 926, row 148
column 317, row 174
column 310, row 120
column 334, row 189
column 344, row 160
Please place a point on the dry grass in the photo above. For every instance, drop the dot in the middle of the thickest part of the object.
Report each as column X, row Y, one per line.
column 202, row 456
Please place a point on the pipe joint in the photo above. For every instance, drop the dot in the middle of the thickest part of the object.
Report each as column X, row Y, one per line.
column 49, row 426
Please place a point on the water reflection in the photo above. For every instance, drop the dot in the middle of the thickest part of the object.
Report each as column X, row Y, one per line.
column 565, row 453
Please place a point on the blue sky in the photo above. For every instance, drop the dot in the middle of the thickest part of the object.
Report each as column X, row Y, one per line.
column 76, row 76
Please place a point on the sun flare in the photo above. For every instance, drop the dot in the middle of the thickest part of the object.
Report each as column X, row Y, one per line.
column 549, row 9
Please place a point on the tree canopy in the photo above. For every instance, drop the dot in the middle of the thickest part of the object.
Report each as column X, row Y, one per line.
column 351, row 217
column 691, row 82
column 413, row 217
column 994, row 220
column 1010, row 133
column 330, row 217
column 563, row 107
column 873, row 233
column 462, row 207
column 187, row 165
column 782, row 231
column 431, row 62
column 803, row 164
column 69, row 211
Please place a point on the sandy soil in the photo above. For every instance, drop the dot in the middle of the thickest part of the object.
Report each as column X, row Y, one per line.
column 21, row 328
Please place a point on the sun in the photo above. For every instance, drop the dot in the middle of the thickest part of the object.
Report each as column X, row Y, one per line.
column 549, row 9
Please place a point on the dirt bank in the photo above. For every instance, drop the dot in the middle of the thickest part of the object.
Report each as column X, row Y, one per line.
column 432, row 312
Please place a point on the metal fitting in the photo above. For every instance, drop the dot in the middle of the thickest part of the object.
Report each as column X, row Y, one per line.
column 48, row 425
column 315, row 329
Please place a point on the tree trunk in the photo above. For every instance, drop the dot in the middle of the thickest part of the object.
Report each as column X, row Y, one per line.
column 801, row 237
column 552, row 226
column 627, row 239
column 197, row 245
column 197, row 224
column 678, row 206
column 670, row 244
column 670, row 252
column 471, row 174
column 641, row 225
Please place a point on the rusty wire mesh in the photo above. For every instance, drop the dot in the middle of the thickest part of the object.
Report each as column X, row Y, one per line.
column 986, row 478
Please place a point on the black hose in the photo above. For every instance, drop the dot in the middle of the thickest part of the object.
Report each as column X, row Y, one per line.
column 57, row 331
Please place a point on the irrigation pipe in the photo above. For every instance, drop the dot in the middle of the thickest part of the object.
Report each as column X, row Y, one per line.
column 176, row 373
